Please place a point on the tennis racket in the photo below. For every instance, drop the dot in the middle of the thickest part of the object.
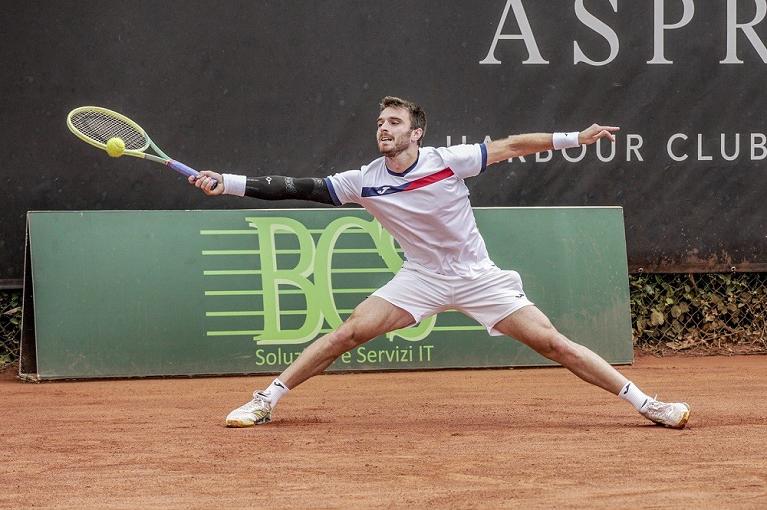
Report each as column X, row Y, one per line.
column 96, row 126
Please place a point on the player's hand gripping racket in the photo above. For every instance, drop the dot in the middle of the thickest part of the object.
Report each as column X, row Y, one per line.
column 118, row 135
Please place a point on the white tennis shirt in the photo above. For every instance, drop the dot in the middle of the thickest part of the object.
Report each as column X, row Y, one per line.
column 426, row 208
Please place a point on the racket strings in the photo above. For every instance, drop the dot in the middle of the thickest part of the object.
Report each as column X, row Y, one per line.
column 101, row 127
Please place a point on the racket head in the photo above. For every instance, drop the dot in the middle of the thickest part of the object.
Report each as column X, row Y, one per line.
column 95, row 125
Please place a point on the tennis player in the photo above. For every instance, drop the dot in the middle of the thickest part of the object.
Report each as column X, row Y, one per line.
column 418, row 194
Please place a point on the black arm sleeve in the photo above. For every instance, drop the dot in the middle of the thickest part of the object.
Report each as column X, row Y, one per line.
column 277, row 187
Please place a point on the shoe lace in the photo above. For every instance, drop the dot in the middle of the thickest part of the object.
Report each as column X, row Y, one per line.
column 259, row 402
column 660, row 410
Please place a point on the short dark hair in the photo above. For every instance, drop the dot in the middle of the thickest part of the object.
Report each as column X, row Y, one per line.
column 417, row 115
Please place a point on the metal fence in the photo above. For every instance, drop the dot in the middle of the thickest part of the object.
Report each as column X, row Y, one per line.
column 714, row 313
column 10, row 325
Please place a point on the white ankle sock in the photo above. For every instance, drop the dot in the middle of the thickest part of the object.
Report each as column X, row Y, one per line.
column 634, row 395
column 275, row 391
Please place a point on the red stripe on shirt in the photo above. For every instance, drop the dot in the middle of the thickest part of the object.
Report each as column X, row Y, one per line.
column 429, row 179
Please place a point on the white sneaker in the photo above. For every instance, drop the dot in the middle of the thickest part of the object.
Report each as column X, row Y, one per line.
column 256, row 412
column 672, row 415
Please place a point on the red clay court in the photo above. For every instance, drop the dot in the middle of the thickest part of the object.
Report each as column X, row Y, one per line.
column 442, row 439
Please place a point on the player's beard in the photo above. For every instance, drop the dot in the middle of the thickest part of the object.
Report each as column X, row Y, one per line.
column 401, row 144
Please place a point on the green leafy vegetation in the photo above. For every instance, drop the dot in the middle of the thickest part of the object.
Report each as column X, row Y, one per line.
column 10, row 326
column 712, row 313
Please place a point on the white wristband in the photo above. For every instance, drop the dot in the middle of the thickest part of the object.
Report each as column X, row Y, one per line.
column 234, row 184
column 565, row 140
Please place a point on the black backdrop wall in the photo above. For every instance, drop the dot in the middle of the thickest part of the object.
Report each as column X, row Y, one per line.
column 291, row 87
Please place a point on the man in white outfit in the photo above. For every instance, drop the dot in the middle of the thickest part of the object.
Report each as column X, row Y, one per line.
column 418, row 194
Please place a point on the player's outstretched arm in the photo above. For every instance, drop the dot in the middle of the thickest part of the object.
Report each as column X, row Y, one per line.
column 272, row 187
column 530, row 143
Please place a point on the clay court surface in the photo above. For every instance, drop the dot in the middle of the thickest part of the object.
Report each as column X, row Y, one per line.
column 446, row 439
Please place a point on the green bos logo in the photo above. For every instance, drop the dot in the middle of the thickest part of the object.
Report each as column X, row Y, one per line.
column 284, row 283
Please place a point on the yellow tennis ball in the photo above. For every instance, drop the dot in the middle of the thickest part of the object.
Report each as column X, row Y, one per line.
column 115, row 147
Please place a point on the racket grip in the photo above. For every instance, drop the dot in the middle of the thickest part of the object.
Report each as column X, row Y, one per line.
column 187, row 170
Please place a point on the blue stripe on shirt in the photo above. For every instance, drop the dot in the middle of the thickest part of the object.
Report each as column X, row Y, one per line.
column 332, row 191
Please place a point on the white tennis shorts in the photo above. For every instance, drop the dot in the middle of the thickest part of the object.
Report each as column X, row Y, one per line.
column 487, row 299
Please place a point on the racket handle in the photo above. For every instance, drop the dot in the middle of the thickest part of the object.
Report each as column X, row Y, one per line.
column 187, row 170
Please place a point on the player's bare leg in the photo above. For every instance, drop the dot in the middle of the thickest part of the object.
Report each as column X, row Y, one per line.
column 373, row 317
column 530, row 326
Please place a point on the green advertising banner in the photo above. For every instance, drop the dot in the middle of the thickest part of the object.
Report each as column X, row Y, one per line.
column 148, row 293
